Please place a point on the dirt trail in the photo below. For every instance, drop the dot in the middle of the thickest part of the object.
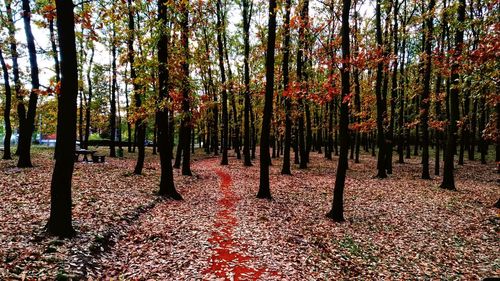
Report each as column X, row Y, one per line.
column 227, row 262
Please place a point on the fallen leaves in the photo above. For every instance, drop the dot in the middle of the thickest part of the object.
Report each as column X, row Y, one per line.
column 397, row 228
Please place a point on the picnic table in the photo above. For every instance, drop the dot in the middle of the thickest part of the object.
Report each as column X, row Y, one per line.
column 85, row 154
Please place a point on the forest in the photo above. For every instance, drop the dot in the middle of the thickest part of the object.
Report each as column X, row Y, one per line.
column 249, row 139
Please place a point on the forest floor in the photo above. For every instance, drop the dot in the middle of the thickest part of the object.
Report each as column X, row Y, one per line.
column 401, row 227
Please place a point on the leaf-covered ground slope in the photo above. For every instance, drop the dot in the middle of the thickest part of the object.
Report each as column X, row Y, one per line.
column 397, row 228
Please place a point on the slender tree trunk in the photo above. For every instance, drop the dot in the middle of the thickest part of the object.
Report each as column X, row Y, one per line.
column 300, row 78
column 236, row 125
column 265, row 159
column 402, row 84
column 6, row 112
column 225, row 119
column 381, row 103
column 247, row 14
column 337, row 211
column 27, row 119
column 186, row 103
column 89, row 100
column 129, row 126
column 53, row 46
column 288, row 106
column 357, row 93
column 60, row 222
column 448, row 172
column 394, row 86
column 15, row 66
column 482, row 126
column 439, row 81
column 425, row 102
column 140, row 130
column 112, row 119
column 167, row 186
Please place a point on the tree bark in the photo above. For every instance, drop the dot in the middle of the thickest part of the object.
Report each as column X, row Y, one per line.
column 337, row 211
column 60, row 221
column 265, row 159
column 89, row 100
column 225, row 119
column 167, row 186
column 381, row 102
column 6, row 112
column 186, row 103
column 140, row 129
column 286, row 80
column 247, row 15
column 303, row 144
column 448, row 172
column 112, row 117
column 425, row 102
column 27, row 119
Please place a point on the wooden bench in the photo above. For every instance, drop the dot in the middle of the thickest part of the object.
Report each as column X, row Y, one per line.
column 85, row 154
column 98, row 158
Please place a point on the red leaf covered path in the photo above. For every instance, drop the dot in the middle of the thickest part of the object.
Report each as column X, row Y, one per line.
column 226, row 262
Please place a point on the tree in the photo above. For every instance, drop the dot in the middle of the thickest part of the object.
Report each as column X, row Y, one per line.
column 89, row 98
column 112, row 117
column 225, row 120
column 265, row 158
column 448, row 171
column 425, row 102
column 286, row 80
column 247, row 15
column 60, row 222
column 381, row 102
column 27, row 118
column 300, row 74
column 337, row 211
column 167, row 187
column 140, row 125
column 186, row 118
column 6, row 112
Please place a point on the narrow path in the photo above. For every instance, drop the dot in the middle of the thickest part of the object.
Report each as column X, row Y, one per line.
column 227, row 262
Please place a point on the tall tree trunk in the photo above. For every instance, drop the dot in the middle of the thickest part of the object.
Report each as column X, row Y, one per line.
column 53, row 46
column 127, row 105
column 300, row 77
column 167, row 187
column 6, row 112
column 60, row 222
column 265, row 159
column 89, row 99
column 236, row 125
column 482, row 126
column 186, row 103
column 112, row 117
column 425, row 102
column 225, row 119
column 247, row 15
column 15, row 65
column 402, row 84
column 140, row 129
column 385, row 86
column 357, row 92
column 381, row 102
column 394, row 86
column 27, row 119
column 286, row 80
column 448, row 172
column 438, row 105
column 337, row 211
